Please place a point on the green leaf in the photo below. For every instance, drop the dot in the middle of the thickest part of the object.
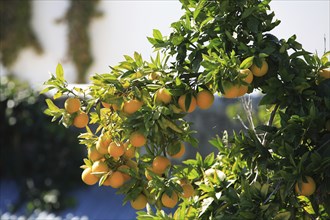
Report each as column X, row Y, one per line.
column 57, row 95
column 209, row 160
column 283, row 216
column 51, row 105
column 157, row 34
column 246, row 63
column 60, row 73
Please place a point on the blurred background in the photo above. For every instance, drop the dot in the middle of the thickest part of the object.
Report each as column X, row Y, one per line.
column 39, row 163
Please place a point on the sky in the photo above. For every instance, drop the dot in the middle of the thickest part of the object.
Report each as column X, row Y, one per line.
column 125, row 25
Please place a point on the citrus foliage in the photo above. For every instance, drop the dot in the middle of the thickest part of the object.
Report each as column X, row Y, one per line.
column 254, row 173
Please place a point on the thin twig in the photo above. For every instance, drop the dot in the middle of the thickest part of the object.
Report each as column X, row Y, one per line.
column 270, row 122
column 274, row 191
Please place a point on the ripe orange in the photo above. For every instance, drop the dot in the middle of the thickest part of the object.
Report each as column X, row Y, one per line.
column 129, row 151
column 234, row 91
column 192, row 105
column 259, row 71
column 100, row 167
column 132, row 106
column 124, row 169
column 115, row 180
column 72, row 105
column 178, row 148
column 188, row 190
column 88, row 178
column 307, row 188
column 81, row 120
column 242, row 90
column 103, row 142
column 204, row 99
column 93, row 154
column 140, row 202
column 159, row 164
column 137, row 139
column 116, row 150
column 163, row 95
column 248, row 75
column 325, row 73
column 169, row 201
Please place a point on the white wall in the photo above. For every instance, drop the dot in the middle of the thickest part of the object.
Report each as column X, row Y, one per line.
column 126, row 24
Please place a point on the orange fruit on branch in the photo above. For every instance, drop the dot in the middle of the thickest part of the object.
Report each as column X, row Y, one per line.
column 100, row 167
column 140, row 202
column 137, row 139
column 248, row 75
column 160, row 164
column 81, row 120
column 204, row 99
column 169, row 201
column 132, row 106
column 176, row 150
column 305, row 188
column 93, row 154
column 259, row 71
column 116, row 150
column 89, row 178
column 191, row 105
column 103, row 142
column 188, row 190
column 72, row 105
column 233, row 90
column 115, row 180
column 129, row 151
column 163, row 95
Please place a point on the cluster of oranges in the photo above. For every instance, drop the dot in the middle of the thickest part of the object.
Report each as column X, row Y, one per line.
column 73, row 107
column 232, row 90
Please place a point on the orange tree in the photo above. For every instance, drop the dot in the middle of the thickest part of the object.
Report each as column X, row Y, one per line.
column 268, row 171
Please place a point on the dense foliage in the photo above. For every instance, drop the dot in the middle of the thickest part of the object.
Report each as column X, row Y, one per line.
column 276, row 170
column 35, row 153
